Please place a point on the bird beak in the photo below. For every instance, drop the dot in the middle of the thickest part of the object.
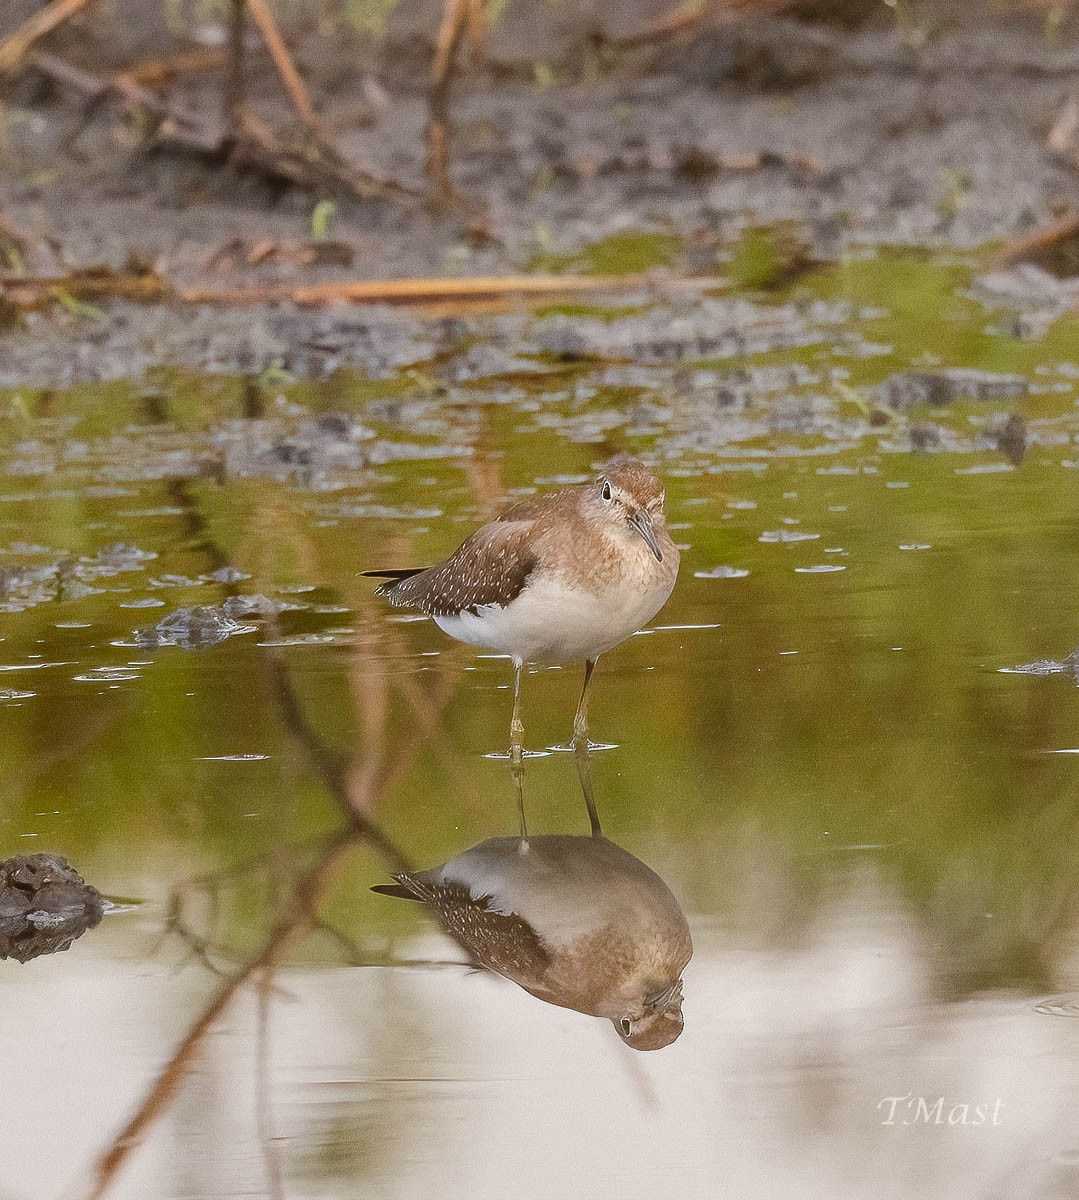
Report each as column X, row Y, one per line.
column 641, row 523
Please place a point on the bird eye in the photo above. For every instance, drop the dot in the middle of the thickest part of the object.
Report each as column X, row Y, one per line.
column 626, row 1025
column 605, row 491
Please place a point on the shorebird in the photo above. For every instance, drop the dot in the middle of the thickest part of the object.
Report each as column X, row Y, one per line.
column 575, row 921
column 561, row 577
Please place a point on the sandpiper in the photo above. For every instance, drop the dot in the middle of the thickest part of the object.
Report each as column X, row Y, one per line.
column 562, row 577
column 575, row 921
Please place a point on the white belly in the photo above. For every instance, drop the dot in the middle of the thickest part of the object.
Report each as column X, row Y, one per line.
column 549, row 622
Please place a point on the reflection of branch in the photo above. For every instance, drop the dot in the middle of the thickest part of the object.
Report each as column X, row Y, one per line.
column 299, row 918
column 290, row 929
column 357, row 796
column 263, row 1096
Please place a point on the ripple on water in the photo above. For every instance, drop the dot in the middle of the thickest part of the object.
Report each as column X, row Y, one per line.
column 232, row 758
column 1059, row 1006
column 770, row 536
column 34, row 666
column 304, row 639
column 721, row 572
column 108, row 675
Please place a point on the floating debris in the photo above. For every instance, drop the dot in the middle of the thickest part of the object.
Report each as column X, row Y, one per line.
column 1069, row 666
column 45, row 904
column 118, row 558
column 192, row 629
column 1010, row 436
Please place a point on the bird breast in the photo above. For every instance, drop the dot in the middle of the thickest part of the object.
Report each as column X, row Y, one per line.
column 555, row 619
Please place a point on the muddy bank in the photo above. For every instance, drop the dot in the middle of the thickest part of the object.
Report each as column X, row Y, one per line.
column 851, row 133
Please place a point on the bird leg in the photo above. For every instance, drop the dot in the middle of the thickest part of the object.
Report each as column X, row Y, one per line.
column 584, row 773
column 517, row 732
column 580, row 719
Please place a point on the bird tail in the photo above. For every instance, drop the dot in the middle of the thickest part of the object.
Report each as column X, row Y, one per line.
column 400, row 890
column 392, row 578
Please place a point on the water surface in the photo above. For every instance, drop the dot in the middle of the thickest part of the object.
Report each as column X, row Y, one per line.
column 822, row 745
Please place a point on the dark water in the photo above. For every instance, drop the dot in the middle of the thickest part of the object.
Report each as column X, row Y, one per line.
column 869, row 819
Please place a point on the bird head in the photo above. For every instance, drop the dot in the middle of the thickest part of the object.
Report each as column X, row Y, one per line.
column 629, row 496
column 656, row 1024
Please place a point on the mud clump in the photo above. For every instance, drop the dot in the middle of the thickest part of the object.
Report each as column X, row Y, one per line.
column 45, row 905
column 207, row 624
column 936, row 389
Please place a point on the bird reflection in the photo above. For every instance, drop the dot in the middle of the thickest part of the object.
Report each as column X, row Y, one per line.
column 575, row 921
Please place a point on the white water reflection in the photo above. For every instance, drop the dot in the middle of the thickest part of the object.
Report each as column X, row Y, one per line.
column 384, row 1076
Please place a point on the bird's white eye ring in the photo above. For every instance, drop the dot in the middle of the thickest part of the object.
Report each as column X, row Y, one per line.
column 626, row 1025
column 605, row 491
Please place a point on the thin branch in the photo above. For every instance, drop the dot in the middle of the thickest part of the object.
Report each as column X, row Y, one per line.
column 243, row 141
column 455, row 15
column 236, row 88
column 160, row 71
column 286, row 68
column 15, row 48
column 686, row 18
column 436, row 290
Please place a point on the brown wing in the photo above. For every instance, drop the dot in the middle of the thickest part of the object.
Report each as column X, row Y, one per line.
column 491, row 567
column 502, row 942
column 532, row 508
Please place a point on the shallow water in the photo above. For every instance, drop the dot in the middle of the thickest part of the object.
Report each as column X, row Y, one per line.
column 823, row 745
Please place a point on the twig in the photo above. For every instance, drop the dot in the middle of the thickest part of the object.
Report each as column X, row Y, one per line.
column 1042, row 245
column 33, row 29
column 687, row 17
column 163, row 70
column 42, row 291
column 235, row 90
column 286, row 68
column 247, row 143
column 455, row 14
column 424, row 291
column 477, row 30
column 36, row 292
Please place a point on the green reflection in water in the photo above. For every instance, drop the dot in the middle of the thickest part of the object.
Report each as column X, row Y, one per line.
column 805, row 728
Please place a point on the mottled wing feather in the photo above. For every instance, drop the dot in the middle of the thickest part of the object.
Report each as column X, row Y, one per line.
column 533, row 508
column 491, row 567
column 504, row 943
